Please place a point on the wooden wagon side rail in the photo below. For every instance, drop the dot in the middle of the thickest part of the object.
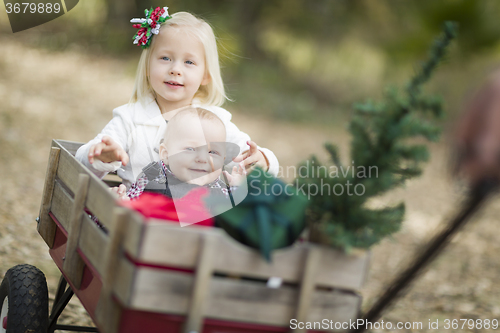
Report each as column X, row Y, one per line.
column 47, row 227
column 70, row 192
column 329, row 291
column 161, row 242
column 63, row 172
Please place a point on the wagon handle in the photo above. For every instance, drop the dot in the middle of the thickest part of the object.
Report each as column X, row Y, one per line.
column 473, row 202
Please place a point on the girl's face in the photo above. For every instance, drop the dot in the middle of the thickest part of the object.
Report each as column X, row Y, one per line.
column 177, row 67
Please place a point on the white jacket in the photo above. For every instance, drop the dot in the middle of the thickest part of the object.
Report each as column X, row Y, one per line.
column 138, row 129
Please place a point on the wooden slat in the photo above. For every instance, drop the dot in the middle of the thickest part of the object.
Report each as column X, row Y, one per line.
column 61, row 205
column 68, row 170
column 134, row 235
column 242, row 300
column 99, row 199
column 70, row 146
column 164, row 291
column 92, row 243
column 168, row 235
column 173, row 289
column 348, row 271
column 202, row 278
column 170, row 245
column 111, row 179
column 122, row 286
column 47, row 227
column 334, row 305
column 73, row 263
column 107, row 313
column 100, row 202
column 307, row 285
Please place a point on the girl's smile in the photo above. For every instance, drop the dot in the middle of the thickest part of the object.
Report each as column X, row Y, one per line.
column 174, row 84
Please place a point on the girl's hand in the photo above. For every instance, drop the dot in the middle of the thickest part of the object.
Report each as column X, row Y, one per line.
column 237, row 176
column 107, row 151
column 121, row 191
column 252, row 157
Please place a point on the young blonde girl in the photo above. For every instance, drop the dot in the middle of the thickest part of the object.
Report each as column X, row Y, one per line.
column 179, row 67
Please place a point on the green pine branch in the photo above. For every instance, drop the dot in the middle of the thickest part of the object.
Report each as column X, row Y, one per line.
column 383, row 160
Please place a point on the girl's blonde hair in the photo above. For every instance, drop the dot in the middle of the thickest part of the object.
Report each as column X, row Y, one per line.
column 210, row 94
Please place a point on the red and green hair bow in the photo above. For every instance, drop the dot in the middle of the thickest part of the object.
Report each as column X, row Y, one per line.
column 149, row 25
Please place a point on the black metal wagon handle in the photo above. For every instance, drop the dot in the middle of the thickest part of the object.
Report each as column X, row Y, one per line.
column 473, row 202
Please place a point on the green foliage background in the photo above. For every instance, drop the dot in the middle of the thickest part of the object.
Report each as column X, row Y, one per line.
column 338, row 214
column 299, row 60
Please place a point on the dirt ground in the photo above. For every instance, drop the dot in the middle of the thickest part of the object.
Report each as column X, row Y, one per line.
column 70, row 96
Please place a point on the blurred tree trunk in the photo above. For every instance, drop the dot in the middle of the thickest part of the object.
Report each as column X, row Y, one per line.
column 120, row 12
column 248, row 14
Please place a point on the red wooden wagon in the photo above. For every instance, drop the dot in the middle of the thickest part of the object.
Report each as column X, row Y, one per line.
column 137, row 275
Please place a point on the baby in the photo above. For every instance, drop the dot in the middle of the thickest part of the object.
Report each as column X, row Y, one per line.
column 192, row 154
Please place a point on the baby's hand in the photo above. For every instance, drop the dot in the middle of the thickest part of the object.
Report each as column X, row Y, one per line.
column 252, row 157
column 237, row 176
column 107, row 151
column 121, row 191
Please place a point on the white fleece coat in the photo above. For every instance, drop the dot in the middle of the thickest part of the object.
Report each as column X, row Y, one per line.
column 139, row 128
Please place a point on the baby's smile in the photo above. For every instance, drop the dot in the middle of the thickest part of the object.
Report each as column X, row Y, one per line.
column 199, row 170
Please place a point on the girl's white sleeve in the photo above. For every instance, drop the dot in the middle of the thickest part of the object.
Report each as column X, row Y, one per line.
column 234, row 135
column 117, row 130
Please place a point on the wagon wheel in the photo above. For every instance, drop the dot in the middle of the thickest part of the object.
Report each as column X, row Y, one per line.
column 24, row 301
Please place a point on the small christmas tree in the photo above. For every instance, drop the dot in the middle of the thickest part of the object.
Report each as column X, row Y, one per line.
column 381, row 161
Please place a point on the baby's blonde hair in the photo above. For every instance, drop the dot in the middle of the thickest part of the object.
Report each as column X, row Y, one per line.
column 210, row 94
column 201, row 113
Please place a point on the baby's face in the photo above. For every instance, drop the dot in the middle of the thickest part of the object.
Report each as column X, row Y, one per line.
column 195, row 151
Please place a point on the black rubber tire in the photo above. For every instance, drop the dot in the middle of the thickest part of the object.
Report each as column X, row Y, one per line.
column 26, row 287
